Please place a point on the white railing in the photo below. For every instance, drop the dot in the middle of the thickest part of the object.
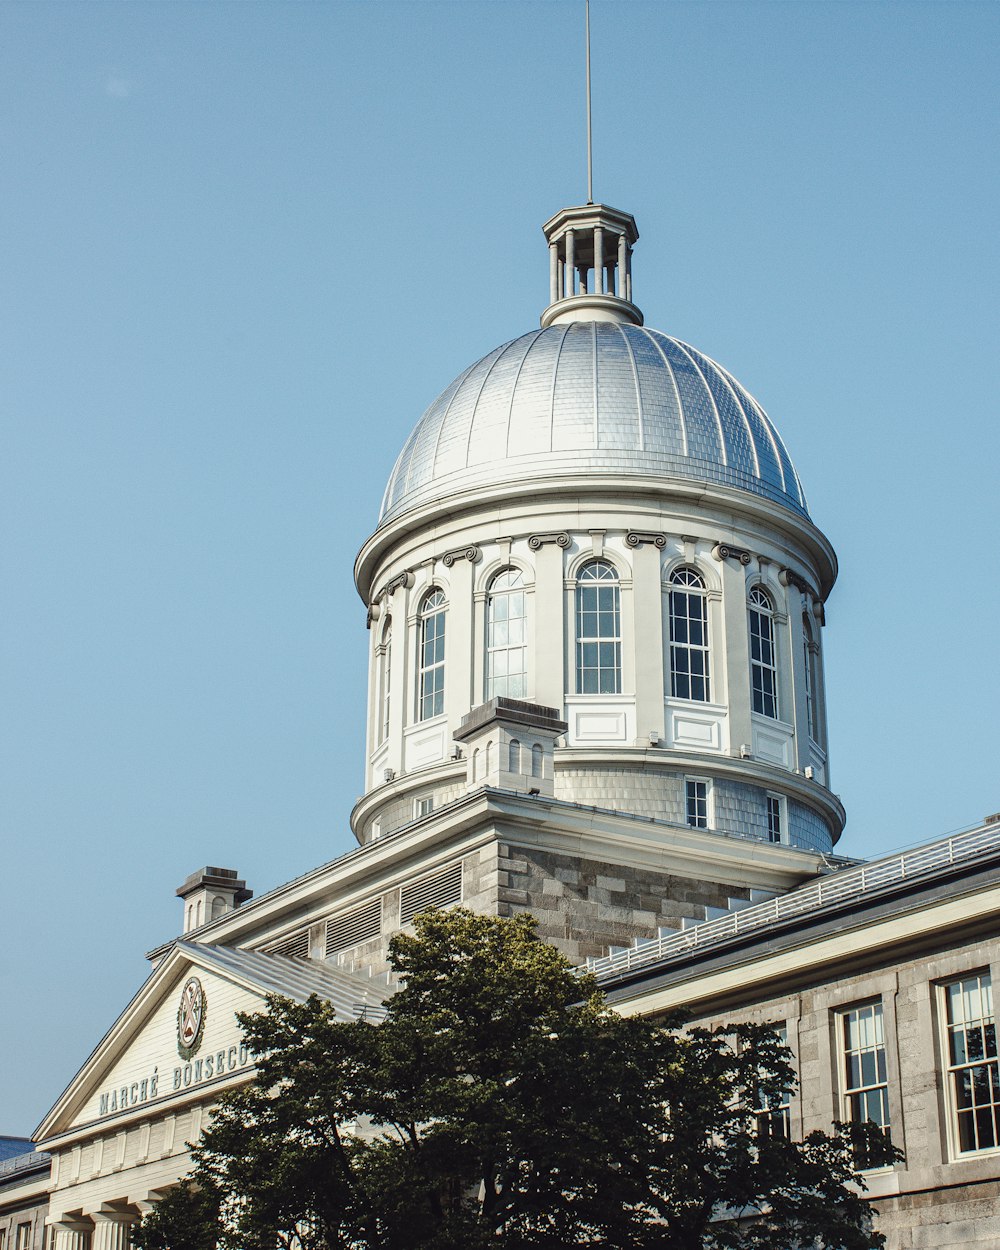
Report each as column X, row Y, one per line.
column 24, row 1163
column 837, row 888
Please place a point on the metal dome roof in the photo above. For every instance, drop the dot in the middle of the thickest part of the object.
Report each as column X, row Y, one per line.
column 592, row 397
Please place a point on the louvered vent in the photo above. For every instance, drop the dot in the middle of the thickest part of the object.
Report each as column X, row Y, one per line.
column 297, row 946
column 357, row 926
column 441, row 890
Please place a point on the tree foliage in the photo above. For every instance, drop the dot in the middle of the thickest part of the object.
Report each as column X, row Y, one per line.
column 501, row 1104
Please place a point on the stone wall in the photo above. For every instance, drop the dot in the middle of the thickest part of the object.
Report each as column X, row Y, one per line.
column 938, row 1196
column 585, row 906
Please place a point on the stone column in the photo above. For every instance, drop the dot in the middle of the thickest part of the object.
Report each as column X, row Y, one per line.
column 111, row 1230
column 72, row 1234
column 553, row 272
column 599, row 260
column 622, row 262
column 548, row 629
column 570, row 264
column 628, row 274
column 647, row 600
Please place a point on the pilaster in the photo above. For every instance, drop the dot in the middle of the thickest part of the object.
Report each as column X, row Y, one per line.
column 647, row 636
column 548, row 629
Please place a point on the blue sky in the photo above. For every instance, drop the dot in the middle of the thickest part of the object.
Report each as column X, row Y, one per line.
column 245, row 244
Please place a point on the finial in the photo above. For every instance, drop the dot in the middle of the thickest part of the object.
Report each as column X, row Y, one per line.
column 590, row 136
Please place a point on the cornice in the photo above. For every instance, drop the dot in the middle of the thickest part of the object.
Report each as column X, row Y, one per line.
column 462, row 506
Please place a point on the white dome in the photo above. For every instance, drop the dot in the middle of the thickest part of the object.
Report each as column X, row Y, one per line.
column 592, row 397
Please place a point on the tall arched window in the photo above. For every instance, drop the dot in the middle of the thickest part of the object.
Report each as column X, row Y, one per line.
column 598, row 630
column 385, row 672
column 506, row 637
column 763, row 666
column 689, row 676
column 810, row 651
column 430, row 691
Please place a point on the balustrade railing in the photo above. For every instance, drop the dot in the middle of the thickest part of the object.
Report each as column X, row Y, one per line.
column 827, row 891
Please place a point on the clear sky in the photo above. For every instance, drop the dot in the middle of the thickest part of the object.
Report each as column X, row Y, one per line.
column 245, row 244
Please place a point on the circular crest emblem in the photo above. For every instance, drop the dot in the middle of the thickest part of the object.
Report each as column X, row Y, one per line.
column 190, row 1018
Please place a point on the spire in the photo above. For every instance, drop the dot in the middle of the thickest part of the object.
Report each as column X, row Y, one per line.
column 590, row 265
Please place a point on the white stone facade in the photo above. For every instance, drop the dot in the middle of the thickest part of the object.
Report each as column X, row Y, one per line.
column 642, row 731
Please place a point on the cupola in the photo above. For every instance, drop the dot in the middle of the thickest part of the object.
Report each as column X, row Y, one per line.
column 590, row 265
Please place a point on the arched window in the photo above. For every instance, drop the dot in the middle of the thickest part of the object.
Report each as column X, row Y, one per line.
column 537, row 760
column 506, row 637
column 763, row 667
column 598, row 630
column 385, row 674
column 689, row 676
column 809, row 656
column 514, row 756
column 430, row 691
column 218, row 907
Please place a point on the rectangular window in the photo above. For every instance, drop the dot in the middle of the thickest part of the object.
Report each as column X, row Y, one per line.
column 697, row 803
column 23, row 1236
column 774, row 1114
column 866, row 1087
column 423, row 807
column 973, row 1078
column 775, row 823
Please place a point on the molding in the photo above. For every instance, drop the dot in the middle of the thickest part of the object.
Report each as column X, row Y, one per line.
column 723, row 551
column 473, row 553
column 562, row 495
column 636, row 538
column 560, row 537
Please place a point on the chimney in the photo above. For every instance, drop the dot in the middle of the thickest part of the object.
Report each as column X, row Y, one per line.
column 210, row 893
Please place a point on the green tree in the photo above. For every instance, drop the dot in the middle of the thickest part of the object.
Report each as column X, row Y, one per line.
column 501, row 1104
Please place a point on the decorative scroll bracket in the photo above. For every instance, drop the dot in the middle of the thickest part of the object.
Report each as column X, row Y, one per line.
column 788, row 577
column 561, row 539
column 636, row 538
column 723, row 551
column 472, row 553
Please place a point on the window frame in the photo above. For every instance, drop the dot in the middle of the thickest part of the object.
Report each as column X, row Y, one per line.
column 761, row 610
column 706, row 798
column 951, row 1069
column 768, row 1113
column 612, row 581
column 864, row 1089
column 772, row 797
column 433, row 612
column 695, row 589
column 383, row 710
column 492, row 680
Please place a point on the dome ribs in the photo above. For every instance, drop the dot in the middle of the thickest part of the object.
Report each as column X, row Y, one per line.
column 591, row 398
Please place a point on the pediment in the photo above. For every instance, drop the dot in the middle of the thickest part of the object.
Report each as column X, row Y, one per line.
column 179, row 1038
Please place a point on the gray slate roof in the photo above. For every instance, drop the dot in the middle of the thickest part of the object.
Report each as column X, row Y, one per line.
column 295, row 978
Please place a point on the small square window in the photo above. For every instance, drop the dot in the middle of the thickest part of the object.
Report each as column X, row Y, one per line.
column 697, row 803
column 424, row 806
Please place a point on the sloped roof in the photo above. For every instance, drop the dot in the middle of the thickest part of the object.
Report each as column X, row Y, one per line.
column 295, row 978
